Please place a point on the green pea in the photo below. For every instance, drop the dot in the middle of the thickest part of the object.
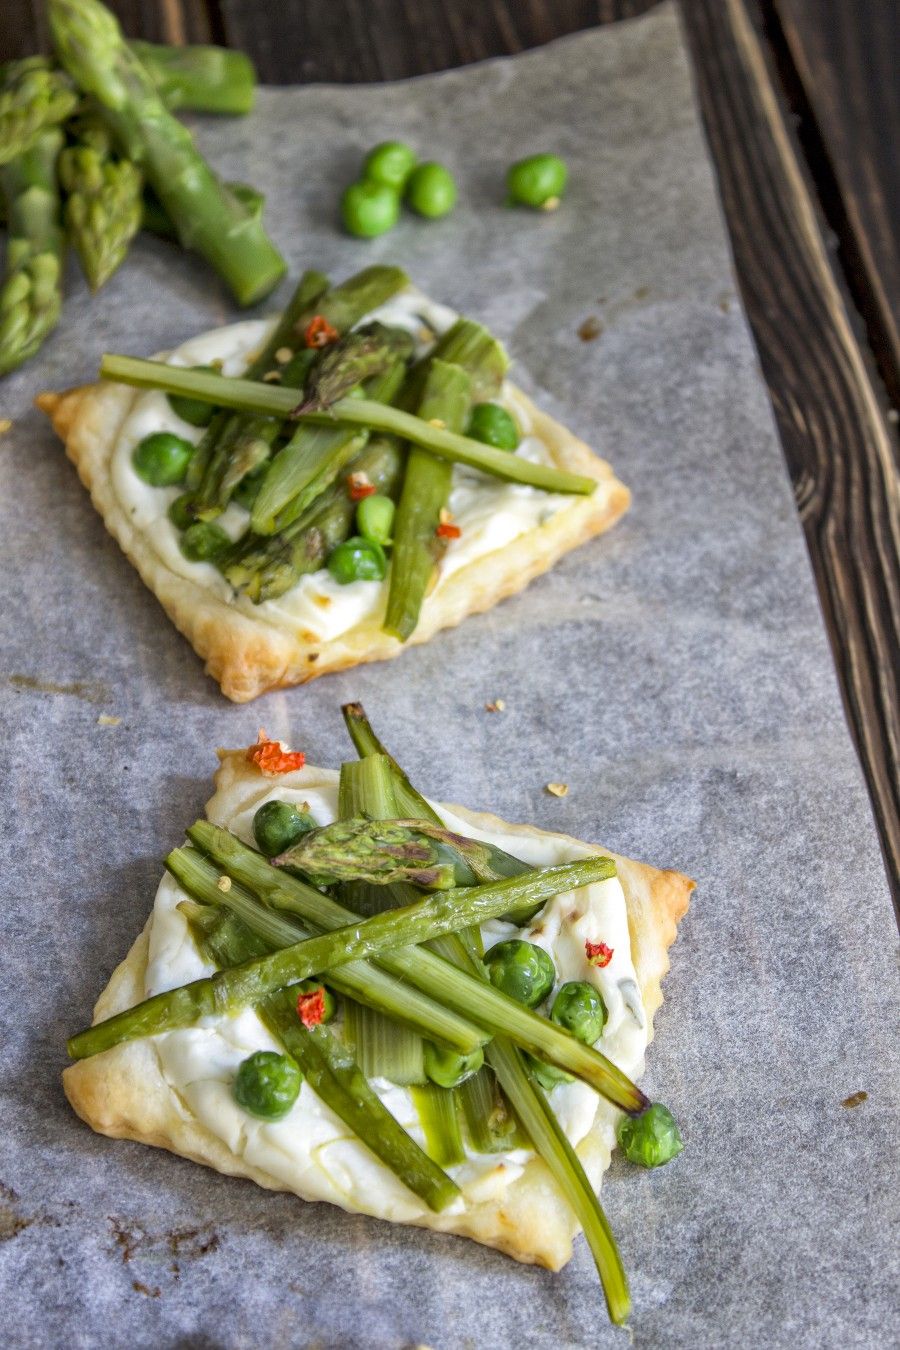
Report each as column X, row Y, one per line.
column 536, row 180
column 579, row 1007
column 311, row 987
column 548, row 1075
column 447, row 1068
column 431, row 190
column 247, row 490
column 204, row 542
column 357, row 559
column 161, row 458
column 521, row 970
column 193, row 410
column 267, row 1084
column 179, row 511
column 493, row 425
column 652, row 1138
column 374, row 518
column 278, row 825
column 390, row 163
column 369, row 209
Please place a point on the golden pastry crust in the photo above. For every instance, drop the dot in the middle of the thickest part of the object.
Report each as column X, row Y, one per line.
column 247, row 653
column 122, row 1092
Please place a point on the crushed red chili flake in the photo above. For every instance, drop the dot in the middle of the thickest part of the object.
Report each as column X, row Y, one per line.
column 270, row 759
column 359, row 486
column 447, row 530
column 598, row 954
column 319, row 332
column 311, row 1007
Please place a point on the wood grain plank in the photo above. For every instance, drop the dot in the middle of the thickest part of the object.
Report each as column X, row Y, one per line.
column 23, row 23
column 847, row 59
column 840, row 446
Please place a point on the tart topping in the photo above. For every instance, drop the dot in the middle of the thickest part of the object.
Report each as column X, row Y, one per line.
column 598, row 954
column 271, row 758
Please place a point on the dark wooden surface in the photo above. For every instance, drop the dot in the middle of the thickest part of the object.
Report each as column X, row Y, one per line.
column 800, row 104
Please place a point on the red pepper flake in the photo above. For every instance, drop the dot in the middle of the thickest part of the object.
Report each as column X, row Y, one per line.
column 598, row 954
column 270, row 759
column 447, row 530
column 311, row 1007
column 319, row 332
column 359, row 486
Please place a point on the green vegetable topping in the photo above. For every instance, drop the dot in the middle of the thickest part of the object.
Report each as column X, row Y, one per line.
column 652, row 1138
column 192, row 409
column 357, row 559
column 536, row 181
column 179, row 511
column 329, row 1005
column 447, row 1068
column 389, row 163
column 267, row 1084
column 369, row 209
column 375, row 517
column 247, row 490
column 161, row 459
column 579, row 1007
column 493, row 425
column 521, row 970
column 204, row 542
column 278, row 825
column 547, row 1074
column 431, row 190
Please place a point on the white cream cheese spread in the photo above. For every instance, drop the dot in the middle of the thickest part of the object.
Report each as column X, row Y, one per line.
column 489, row 512
column 311, row 1151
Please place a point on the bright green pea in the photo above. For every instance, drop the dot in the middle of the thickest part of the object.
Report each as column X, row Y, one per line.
column 579, row 1007
column 652, row 1138
column 447, row 1068
column 193, row 410
column 161, row 458
column 521, row 970
column 431, row 191
column 493, row 425
column 278, row 825
column 267, row 1084
column 179, row 511
column 374, row 518
column 389, row 163
column 204, row 542
column 535, row 181
column 311, row 987
column 357, row 559
column 548, row 1075
column 369, row 209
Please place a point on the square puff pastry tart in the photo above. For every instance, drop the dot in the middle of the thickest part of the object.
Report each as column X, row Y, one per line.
column 174, row 1091
column 510, row 533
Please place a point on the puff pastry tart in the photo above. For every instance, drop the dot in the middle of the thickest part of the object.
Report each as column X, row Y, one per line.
column 476, row 1094
column 273, row 586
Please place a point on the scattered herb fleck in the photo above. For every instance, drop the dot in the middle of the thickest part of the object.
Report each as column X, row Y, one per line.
column 855, row 1099
column 557, row 789
column 590, row 329
column 319, row 332
column 598, row 954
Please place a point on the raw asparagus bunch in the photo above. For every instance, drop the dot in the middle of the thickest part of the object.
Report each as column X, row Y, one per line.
column 208, row 218
column 103, row 207
column 31, row 293
column 34, row 94
column 199, row 79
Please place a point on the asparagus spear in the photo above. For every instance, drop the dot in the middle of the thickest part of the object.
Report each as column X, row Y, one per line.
column 103, row 204
column 265, row 567
column 155, row 220
column 199, row 79
column 525, row 1095
column 357, row 979
column 246, row 985
column 440, row 979
column 247, row 396
column 31, row 293
column 314, row 456
column 339, row 308
column 34, row 94
column 466, row 354
column 89, row 43
column 330, row 1069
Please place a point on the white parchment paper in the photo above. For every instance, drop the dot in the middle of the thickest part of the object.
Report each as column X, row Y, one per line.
column 675, row 674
